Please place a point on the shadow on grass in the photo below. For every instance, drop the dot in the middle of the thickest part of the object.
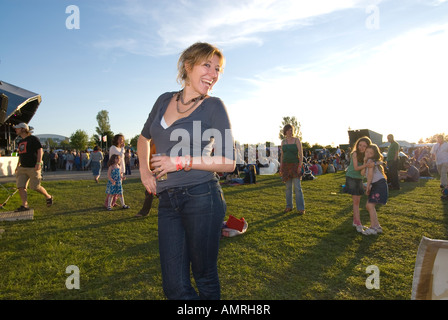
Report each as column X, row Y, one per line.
column 445, row 214
column 49, row 228
column 325, row 268
column 406, row 187
column 268, row 183
column 110, row 276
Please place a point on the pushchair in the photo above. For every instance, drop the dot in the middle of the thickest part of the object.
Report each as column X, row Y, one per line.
column 307, row 174
column 12, row 215
column 6, row 193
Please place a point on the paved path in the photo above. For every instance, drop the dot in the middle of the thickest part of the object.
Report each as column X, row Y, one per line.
column 71, row 175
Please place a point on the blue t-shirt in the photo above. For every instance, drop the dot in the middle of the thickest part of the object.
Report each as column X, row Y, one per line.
column 191, row 136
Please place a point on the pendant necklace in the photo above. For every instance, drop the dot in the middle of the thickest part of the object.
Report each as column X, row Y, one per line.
column 195, row 100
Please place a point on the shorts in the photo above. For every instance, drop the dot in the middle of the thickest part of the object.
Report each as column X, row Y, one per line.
column 25, row 174
column 379, row 192
column 353, row 186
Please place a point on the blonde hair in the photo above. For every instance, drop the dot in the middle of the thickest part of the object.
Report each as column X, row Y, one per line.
column 195, row 54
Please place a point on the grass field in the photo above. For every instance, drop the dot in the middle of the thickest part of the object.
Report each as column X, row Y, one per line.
column 282, row 255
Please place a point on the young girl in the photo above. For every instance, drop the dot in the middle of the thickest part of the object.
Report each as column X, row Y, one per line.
column 377, row 190
column 354, row 178
column 114, row 188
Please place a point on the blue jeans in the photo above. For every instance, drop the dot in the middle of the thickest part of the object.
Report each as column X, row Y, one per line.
column 190, row 222
column 300, row 201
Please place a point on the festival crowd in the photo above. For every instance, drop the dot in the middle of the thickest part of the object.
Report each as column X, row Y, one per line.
column 80, row 160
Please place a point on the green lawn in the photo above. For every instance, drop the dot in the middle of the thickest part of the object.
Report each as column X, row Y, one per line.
column 281, row 256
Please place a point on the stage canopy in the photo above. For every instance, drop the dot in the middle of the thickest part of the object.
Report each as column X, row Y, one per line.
column 17, row 105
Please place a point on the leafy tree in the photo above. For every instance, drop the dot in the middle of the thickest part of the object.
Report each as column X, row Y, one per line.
column 306, row 145
column 51, row 143
column 103, row 122
column 133, row 142
column 93, row 141
column 79, row 140
column 292, row 121
column 103, row 128
column 433, row 139
column 65, row 144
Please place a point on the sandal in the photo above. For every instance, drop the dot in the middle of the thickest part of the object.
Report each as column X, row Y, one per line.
column 50, row 202
column 22, row 208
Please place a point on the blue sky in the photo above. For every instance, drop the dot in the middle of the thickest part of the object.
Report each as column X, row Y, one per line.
column 333, row 64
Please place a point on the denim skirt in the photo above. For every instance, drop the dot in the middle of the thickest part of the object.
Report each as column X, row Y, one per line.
column 354, row 186
column 379, row 192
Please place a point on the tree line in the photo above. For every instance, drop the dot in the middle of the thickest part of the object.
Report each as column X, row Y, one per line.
column 80, row 140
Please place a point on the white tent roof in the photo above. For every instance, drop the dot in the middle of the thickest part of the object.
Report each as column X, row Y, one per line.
column 402, row 143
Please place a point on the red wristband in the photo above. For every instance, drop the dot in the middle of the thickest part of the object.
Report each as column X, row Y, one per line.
column 178, row 164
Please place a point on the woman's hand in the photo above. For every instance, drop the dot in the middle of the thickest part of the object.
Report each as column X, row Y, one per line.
column 148, row 181
column 370, row 164
column 163, row 165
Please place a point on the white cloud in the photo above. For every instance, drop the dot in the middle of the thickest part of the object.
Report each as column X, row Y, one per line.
column 399, row 87
column 168, row 28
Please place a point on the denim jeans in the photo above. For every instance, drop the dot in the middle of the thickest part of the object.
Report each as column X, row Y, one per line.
column 443, row 170
column 190, row 221
column 300, row 201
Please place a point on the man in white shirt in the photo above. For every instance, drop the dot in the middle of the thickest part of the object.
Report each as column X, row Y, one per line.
column 440, row 154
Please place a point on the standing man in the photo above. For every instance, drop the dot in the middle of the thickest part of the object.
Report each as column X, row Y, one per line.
column 439, row 153
column 392, row 163
column 29, row 168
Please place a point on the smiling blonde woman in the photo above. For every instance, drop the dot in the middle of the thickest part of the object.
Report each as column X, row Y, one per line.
column 191, row 202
